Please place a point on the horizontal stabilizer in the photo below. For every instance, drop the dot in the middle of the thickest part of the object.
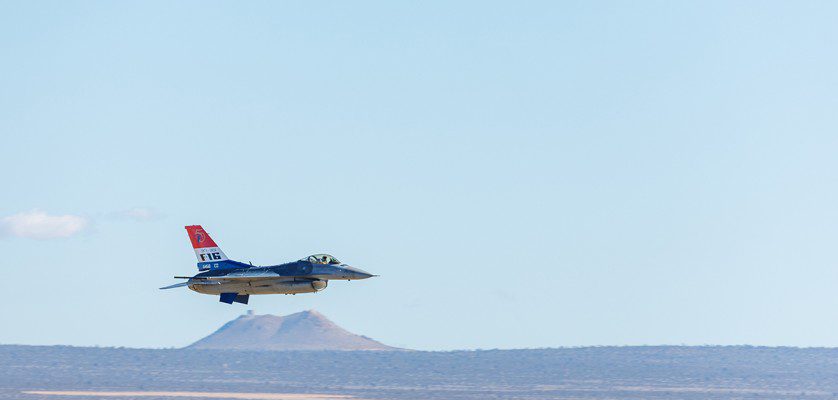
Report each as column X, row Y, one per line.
column 176, row 285
column 192, row 282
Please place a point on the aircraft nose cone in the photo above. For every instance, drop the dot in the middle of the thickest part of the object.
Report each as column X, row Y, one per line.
column 358, row 273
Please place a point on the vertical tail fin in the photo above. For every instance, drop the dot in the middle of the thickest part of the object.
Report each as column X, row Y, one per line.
column 206, row 250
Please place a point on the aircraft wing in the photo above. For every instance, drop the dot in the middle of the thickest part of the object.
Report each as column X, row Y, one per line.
column 243, row 276
column 233, row 276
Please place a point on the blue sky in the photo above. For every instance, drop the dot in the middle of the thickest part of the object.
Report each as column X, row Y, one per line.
column 532, row 174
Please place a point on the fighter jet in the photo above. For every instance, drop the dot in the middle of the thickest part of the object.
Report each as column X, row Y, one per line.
column 235, row 281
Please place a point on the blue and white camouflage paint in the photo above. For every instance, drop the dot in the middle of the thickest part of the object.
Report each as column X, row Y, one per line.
column 235, row 281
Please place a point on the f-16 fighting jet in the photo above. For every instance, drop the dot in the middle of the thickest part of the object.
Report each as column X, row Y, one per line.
column 235, row 281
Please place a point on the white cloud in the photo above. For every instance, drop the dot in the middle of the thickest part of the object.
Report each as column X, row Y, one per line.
column 37, row 224
column 138, row 214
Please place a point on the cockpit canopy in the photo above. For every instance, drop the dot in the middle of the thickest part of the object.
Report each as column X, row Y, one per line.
column 322, row 259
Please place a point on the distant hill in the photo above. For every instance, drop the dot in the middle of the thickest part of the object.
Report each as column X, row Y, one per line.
column 307, row 330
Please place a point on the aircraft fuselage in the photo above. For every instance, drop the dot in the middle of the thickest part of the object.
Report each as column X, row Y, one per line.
column 290, row 278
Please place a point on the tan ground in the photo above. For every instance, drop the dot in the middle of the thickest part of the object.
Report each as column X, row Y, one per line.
column 205, row 395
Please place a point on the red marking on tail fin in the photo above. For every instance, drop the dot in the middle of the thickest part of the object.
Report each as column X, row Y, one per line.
column 200, row 238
